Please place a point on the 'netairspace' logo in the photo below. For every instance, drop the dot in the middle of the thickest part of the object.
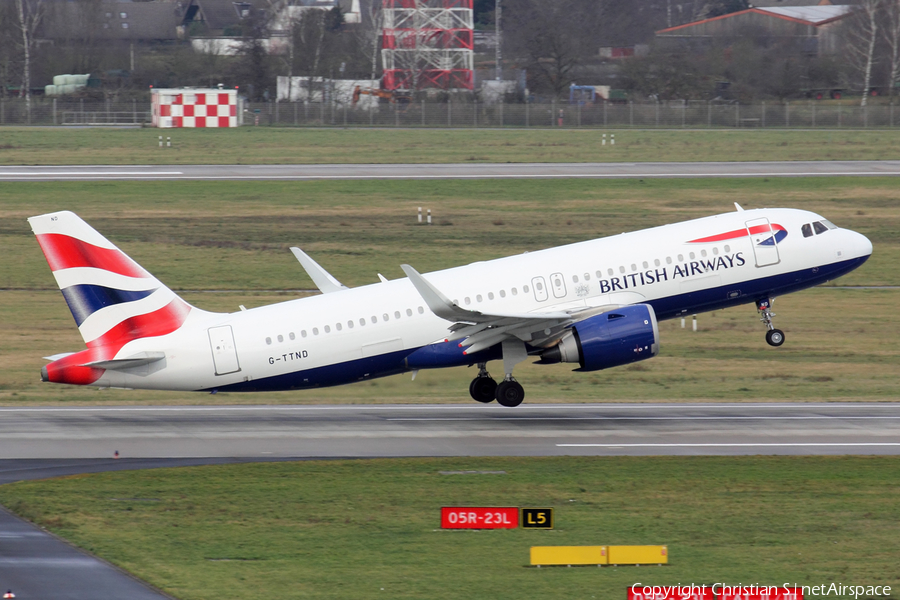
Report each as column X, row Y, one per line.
column 722, row 591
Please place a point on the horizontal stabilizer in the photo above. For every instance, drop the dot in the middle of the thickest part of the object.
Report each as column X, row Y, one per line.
column 322, row 278
column 58, row 356
column 137, row 360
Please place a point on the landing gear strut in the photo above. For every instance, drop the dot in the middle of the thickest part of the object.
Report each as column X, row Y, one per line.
column 510, row 392
column 774, row 337
column 483, row 388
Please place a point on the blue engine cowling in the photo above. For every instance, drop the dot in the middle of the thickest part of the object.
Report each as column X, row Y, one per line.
column 618, row 337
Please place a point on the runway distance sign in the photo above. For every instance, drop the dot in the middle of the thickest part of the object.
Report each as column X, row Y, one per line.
column 537, row 518
column 485, row 517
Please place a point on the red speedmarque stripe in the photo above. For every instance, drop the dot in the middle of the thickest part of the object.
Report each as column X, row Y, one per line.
column 737, row 233
column 160, row 322
column 66, row 252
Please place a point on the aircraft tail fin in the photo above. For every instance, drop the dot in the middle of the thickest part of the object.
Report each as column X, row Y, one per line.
column 112, row 298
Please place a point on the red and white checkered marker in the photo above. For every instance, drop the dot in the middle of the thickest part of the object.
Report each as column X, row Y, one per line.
column 194, row 108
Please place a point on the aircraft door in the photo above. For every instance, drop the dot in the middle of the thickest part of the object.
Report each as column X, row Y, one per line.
column 221, row 342
column 540, row 289
column 762, row 237
column 559, row 285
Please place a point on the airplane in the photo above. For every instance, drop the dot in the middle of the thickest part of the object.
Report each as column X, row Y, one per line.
column 595, row 304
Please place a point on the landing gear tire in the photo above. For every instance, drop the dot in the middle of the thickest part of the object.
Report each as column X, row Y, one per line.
column 510, row 393
column 483, row 389
column 775, row 337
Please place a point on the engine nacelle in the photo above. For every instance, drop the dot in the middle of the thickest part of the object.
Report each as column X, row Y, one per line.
column 610, row 339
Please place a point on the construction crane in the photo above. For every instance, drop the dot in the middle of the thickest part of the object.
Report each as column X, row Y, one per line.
column 394, row 97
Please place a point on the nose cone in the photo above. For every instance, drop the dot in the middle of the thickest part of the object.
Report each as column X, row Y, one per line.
column 859, row 245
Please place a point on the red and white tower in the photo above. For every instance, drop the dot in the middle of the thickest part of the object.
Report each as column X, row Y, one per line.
column 427, row 44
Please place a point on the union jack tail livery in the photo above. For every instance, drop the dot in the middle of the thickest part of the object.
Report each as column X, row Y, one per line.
column 112, row 298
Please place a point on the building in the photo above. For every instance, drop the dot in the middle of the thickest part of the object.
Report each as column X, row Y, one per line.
column 217, row 26
column 810, row 29
column 111, row 21
column 213, row 26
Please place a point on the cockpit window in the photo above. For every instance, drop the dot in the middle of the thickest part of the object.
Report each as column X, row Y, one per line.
column 807, row 230
column 817, row 225
column 828, row 224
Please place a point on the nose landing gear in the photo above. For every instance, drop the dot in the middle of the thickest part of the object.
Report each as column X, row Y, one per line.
column 774, row 337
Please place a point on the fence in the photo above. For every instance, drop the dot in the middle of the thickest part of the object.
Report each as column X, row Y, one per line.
column 77, row 112
column 671, row 115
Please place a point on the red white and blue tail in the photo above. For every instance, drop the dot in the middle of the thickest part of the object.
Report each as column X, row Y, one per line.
column 112, row 298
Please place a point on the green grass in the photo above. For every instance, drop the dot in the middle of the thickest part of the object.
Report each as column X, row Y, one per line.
column 370, row 529
column 842, row 344
column 264, row 145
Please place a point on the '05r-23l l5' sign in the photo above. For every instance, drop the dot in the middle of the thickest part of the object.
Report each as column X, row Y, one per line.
column 495, row 517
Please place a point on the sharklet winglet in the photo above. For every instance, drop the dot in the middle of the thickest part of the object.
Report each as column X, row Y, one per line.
column 322, row 278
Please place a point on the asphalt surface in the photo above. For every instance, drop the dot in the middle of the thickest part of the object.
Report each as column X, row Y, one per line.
column 266, row 432
column 40, row 442
column 37, row 565
column 453, row 171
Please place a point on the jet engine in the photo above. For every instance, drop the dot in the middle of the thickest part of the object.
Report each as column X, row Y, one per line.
column 618, row 337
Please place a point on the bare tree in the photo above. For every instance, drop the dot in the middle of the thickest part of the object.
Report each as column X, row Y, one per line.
column 9, row 47
column 29, row 19
column 548, row 39
column 283, row 21
column 892, row 37
column 309, row 43
column 861, row 39
column 371, row 32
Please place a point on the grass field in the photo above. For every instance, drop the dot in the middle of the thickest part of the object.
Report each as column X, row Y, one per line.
column 264, row 145
column 365, row 529
column 233, row 238
column 370, row 529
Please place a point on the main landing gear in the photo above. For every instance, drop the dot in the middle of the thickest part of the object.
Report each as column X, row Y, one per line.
column 509, row 392
column 774, row 337
column 484, row 389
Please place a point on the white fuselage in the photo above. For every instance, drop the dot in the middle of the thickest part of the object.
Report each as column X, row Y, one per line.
column 367, row 331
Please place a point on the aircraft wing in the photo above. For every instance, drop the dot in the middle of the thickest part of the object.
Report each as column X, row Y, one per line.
column 480, row 330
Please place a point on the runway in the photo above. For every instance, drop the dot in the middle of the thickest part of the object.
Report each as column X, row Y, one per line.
column 39, row 442
column 452, row 171
column 269, row 432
